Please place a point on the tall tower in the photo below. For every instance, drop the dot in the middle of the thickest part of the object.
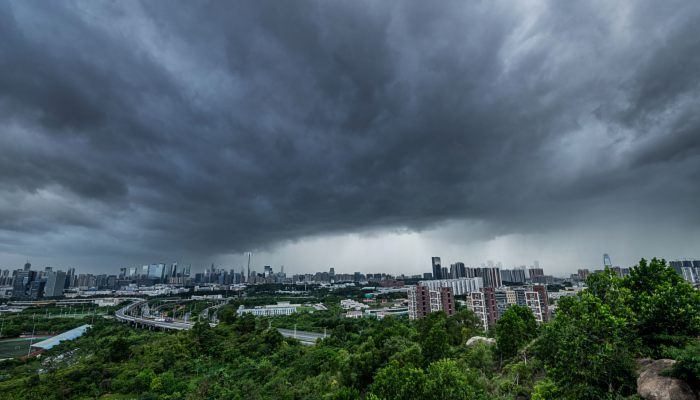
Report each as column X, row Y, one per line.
column 606, row 260
column 248, row 278
column 437, row 268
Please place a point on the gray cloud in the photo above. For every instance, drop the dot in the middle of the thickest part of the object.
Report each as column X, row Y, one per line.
column 197, row 129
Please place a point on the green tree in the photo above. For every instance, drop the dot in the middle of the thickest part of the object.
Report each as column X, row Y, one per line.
column 227, row 314
column 399, row 382
column 469, row 323
column 587, row 350
column 666, row 307
column 449, row 380
column 545, row 389
column 435, row 345
column 118, row 349
column 204, row 337
column 515, row 328
column 687, row 366
column 245, row 324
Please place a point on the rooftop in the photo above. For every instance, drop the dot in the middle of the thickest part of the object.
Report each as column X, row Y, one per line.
column 68, row 335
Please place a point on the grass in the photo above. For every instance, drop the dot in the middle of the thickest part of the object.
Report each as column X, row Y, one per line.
column 11, row 348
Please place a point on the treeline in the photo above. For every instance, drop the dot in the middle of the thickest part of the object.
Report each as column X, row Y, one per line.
column 587, row 352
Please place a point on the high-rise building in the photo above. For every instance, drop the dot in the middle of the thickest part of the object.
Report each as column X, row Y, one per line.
column 690, row 274
column 490, row 275
column 437, row 268
column 483, row 304
column 21, row 284
column 677, row 266
column 36, row 288
column 457, row 270
column 689, row 270
column 459, row 287
column 444, row 273
column 447, row 301
column 172, row 271
column 606, row 260
column 532, row 301
column 70, row 277
column 55, row 284
column 155, row 271
column 513, row 275
column 423, row 300
column 502, row 304
column 544, row 300
column 490, row 303
column 583, row 274
column 248, row 277
column 534, row 273
column 520, row 296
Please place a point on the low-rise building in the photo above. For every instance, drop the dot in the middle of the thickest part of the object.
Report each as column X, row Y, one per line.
column 281, row 308
column 349, row 304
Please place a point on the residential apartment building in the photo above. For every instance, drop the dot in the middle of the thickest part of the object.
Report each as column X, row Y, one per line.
column 459, row 286
column 483, row 303
column 423, row 300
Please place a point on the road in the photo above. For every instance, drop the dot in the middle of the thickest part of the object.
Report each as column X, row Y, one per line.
column 122, row 315
column 302, row 336
column 308, row 338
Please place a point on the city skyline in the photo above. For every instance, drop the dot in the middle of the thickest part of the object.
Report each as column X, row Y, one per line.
column 259, row 268
column 359, row 136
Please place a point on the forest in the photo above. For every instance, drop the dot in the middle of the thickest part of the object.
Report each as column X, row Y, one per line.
column 588, row 351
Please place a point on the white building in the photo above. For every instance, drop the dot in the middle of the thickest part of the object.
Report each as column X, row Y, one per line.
column 460, row 286
column 532, row 301
column 349, row 304
column 690, row 275
column 281, row 308
column 476, row 301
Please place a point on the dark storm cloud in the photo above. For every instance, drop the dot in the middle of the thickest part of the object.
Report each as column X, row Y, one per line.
column 199, row 128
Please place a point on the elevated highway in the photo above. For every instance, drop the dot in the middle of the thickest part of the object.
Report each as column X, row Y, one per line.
column 123, row 315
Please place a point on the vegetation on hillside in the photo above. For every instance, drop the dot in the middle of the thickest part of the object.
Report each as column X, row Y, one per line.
column 587, row 352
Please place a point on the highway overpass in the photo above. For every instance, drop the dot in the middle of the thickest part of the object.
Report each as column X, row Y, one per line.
column 122, row 315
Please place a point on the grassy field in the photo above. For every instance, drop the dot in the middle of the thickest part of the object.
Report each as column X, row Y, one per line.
column 15, row 347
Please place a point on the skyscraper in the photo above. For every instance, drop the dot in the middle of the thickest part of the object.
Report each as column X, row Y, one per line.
column 437, row 268
column 606, row 260
column 55, row 284
column 248, row 277
column 21, row 283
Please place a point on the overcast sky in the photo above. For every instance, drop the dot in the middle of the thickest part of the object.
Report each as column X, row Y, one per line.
column 363, row 135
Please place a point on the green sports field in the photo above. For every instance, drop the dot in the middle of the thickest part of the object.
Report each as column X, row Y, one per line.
column 10, row 348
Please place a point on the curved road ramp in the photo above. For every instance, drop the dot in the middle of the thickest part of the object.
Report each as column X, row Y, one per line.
column 124, row 315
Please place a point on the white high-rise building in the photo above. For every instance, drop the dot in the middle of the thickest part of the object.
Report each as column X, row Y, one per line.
column 459, row 286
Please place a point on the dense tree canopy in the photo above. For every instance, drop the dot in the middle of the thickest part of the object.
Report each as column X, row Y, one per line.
column 588, row 351
column 515, row 328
